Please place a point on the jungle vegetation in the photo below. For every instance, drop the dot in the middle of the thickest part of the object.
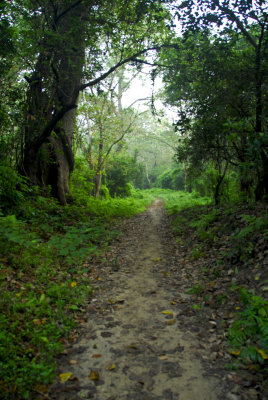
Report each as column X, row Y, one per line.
column 74, row 156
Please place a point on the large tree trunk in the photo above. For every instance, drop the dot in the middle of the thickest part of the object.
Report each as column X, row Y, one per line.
column 51, row 102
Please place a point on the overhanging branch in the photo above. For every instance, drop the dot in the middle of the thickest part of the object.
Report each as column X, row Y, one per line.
column 60, row 114
column 232, row 17
column 123, row 62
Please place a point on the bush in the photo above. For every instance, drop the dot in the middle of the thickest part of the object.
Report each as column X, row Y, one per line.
column 13, row 189
column 171, row 179
column 120, row 173
column 81, row 183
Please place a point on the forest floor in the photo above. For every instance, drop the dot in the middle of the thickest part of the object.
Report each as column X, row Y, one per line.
column 144, row 337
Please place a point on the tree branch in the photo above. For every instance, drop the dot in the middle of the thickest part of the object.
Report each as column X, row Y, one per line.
column 132, row 104
column 77, row 3
column 51, row 125
column 60, row 114
column 232, row 17
column 123, row 62
column 148, row 63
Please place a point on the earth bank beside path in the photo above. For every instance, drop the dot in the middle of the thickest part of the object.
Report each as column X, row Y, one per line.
column 138, row 343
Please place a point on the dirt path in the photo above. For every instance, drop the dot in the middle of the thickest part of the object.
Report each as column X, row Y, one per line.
column 135, row 345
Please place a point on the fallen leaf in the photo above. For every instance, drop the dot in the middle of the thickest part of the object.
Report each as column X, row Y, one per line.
column 263, row 354
column 73, row 284
column 157, row 259
column 41, row 388
column 132, row 346
column 236, row 353
column 163, row 357
column 237, row 379
column 65, row 376
column 167, row 312
column 118, row 307
column 96, row 355
column 170, row 322
column 73, row 362
column 111, row 367
column 173, row 302
column 253, row 367
column 94, row 375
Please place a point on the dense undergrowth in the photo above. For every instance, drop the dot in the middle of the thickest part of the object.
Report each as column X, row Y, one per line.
column 230, row 247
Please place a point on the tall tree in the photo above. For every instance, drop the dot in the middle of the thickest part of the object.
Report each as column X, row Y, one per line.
column 61, row 35
column 250, row 21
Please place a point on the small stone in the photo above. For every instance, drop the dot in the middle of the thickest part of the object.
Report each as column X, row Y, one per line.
column 213, row 356
column 232, row 396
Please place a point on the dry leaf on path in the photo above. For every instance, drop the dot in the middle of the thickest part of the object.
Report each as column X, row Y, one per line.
column 41, row 388
column 170, row 322
column 94, row 375
column 165, row 357
column 65, row 376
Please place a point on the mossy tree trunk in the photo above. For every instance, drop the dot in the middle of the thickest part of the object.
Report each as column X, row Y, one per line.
column 52, row 99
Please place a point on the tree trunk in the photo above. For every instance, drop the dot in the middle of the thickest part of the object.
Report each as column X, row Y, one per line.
column 220, row 179
column 51, row 103
column 98, row 177
column 98, row 174
column 261, row 191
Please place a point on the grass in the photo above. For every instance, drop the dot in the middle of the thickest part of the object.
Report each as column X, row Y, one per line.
column 176, row 201
column 45, row 259
column 44, row 288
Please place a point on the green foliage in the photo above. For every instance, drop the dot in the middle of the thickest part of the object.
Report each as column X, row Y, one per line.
column 197, row 289
column 220, row 124
column 44, row 285
column 177, row 201
column 171, row 179
column 120, row 173
column 205, row 232
column 242, row 245
column 197, row 252
column 104, row 192
column 204, row 181
column 13, row 189
column 35, row 317
column 81, row 183
column 248, row 336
